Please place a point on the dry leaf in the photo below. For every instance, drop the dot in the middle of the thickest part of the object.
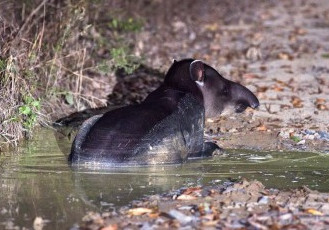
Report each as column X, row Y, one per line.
column 211, row 27
column 262, row 89
column 283, row 107
column 263, row 68
column 186, row 197
column 321, row 107
column 110, row 227
column 139, row 211
column 277, row 88
column 285, row 56
column 296, row 102
column 250, row 76
column 320, row 104
column 191, row 190
column 283, row 83
column 262, row 127
column 300, row 31
column 292, row 38
column 212, row 223
column 153, row 215
column 314, row 212
column 320, row 101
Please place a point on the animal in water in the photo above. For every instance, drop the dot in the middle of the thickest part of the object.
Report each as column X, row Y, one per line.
column 168, row 126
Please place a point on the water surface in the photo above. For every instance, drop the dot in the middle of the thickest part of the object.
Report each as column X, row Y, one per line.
column 37, row 180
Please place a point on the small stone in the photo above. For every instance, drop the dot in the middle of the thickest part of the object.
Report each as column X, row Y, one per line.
column 38, row 223
column 192, row 36
column 309, row 137
column 302, row 142
column 317, row 136
column 284, row 134
column 263, row 200
column 181, row 217
column 324, row 135
column 234, row 130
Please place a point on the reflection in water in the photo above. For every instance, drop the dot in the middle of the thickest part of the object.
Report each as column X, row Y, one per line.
column 38, row 181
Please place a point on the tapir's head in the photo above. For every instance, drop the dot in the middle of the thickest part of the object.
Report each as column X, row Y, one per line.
column 219, row 94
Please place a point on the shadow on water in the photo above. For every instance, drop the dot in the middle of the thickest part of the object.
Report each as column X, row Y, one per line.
column 37, row 180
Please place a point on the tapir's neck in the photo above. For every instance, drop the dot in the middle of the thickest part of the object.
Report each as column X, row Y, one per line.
column 178, row 78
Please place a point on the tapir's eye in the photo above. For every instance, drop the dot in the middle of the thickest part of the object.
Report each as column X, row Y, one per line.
column 225, row 91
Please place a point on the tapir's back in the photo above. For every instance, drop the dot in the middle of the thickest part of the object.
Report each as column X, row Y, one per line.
column 148, row 133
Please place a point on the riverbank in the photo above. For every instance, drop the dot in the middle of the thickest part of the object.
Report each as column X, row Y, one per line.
column 231, row 205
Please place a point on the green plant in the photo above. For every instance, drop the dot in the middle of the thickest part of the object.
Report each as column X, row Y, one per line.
column 295, row 138
column 3, row 66
column 28, row 112
column 122, row 60
column 325, row 55
column 128, row 25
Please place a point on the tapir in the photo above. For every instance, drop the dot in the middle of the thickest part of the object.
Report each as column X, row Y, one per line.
column 168, row 126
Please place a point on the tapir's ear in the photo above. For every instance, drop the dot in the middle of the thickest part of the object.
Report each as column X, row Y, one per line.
column 197, row 72
column 173, row 61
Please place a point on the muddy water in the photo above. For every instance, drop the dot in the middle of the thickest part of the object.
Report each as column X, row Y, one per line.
column 37, row 180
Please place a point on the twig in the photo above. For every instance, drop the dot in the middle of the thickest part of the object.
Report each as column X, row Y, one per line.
column 30, row 17
column 79, row 75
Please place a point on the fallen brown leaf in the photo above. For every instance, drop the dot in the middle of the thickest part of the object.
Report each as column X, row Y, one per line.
column 320, row 104
column 262, row 89
column 110, row 227
column 261, row 127
column 263, row 68
column 139, row 211
column 210, row 223
column 314, row 212
column 211, row 27
column 296, row 102
column 191, row 190
column 285, row 107
column 186, row 197
column 284, row 83
column 321, row 107
column 300, row 31
column 320, row 101
column 153, row 215
column 250, row 76
column 285, row 56
column 277, row 88
column 292, row 38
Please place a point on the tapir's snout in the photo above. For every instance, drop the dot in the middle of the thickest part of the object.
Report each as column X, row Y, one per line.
column 255, row 103
column 243, row 98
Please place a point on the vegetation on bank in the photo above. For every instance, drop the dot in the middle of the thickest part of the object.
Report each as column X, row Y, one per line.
column 60, row 56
